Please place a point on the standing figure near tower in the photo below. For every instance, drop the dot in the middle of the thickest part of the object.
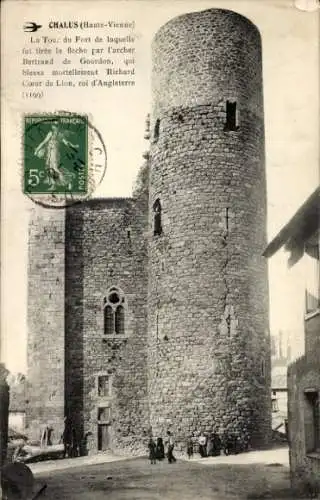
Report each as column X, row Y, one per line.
column 170, row 448
column 160, row 449
column 152, row 451
column 202, row 445
column 190, row 447
column 67, row 438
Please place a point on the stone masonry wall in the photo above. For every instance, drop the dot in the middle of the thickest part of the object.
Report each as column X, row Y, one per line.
column 45, row 395
column 195, row 353
column 74, row 318
column 312, row 337
column 303, row 374
column 209, row 352
column 113, row 254
column 202, row 57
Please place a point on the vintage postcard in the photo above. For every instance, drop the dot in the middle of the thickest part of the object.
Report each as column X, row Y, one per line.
column 160, row 317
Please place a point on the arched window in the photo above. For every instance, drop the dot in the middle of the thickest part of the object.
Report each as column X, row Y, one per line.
column 119, row 320
column 157, row 226
column 156, row 130
column 114, row 312
column 108, row 320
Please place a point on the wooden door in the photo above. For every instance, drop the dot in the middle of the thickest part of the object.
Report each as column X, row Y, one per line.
column 103, row 437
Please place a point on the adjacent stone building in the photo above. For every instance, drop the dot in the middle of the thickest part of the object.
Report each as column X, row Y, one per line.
column 4, row 414
column 18, row 398
column 151, row 313
column 301, row 237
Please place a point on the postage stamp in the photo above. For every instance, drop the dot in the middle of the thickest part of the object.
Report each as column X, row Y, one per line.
column 55, row 154
column 64, row 158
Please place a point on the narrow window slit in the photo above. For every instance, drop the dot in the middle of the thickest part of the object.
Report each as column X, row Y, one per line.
column 156, row 130
column 231, row 117
column 227, row 219
column 157, row 223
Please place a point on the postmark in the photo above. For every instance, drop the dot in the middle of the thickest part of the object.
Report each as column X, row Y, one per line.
column 64, row 158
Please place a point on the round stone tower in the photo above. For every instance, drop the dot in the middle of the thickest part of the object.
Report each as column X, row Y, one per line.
column 208, row 352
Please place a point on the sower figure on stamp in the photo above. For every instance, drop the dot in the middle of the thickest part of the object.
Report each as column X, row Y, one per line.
column 49, row 148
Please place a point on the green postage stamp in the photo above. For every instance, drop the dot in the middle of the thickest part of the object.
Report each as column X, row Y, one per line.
column 55, row 154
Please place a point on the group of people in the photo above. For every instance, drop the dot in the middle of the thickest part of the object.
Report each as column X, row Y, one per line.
column 211, row 444
column 206, row 444
column 73, row 444
column 159, row 450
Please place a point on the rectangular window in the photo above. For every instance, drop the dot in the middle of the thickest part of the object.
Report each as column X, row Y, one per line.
column 104, row 386
column 232, row 116
column 312, row 420
column 103, row 415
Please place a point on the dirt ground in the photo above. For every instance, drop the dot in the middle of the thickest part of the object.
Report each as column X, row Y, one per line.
column 137, row 479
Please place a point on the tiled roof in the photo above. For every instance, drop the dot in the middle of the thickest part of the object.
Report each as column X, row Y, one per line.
column 300, row 227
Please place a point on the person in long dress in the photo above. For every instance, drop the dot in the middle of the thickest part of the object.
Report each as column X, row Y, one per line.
column 202, row 445
column 152, row 451
column 160, row 449
column 49, row 149
column 66, row 438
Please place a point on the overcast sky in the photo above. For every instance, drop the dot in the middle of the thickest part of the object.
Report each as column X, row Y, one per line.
column 290, row 40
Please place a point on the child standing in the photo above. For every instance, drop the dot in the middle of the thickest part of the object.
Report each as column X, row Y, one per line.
column 190, row 447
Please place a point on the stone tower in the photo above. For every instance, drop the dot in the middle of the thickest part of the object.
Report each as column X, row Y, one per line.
column 208, row 336
column 46, row 317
